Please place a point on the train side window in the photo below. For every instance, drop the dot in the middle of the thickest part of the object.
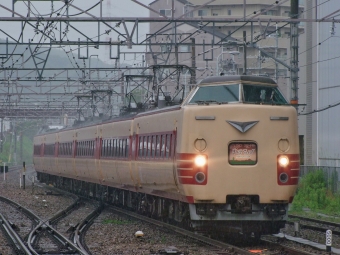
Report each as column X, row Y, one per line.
column 92, row 148
column 102, row 148
column 162, row 143
column 122, row 148
column 118, row 147
column 144, row 147
column 168, row 146
column 109, row 148
column 139, row 146
column 153, row 146
column 105, row 147
column 127, row 147
column 122, row 152
column 148, row 149
column 152, row 138
column 115, row 147
column 157, row 147
column 112, row 147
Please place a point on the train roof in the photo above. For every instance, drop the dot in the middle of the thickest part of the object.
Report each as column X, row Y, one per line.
column 240, row 78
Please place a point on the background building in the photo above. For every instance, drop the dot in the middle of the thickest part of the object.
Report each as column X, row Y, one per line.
column 320, row 80
column 272, row 38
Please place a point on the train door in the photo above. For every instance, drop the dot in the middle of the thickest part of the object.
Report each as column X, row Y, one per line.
column 133, row 158
column 174, row 158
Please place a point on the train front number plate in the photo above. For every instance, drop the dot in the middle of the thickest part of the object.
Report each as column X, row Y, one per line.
column 242, row 153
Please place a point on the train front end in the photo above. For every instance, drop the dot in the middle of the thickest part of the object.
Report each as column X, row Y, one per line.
column 238, row 160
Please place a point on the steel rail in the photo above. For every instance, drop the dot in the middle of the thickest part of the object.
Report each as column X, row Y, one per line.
column 291, row 250
column 181, row 231
column 83, row 226
column 40, row 224
column 16, row 240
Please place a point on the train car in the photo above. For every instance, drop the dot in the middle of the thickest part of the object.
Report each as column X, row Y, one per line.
column 225, row 160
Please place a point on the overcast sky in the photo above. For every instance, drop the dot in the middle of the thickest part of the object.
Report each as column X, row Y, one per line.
column 114, row 8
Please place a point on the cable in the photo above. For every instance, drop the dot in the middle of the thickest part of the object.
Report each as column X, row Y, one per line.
column 322, row 109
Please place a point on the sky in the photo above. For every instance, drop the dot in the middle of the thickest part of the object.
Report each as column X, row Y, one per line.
column 114, row 8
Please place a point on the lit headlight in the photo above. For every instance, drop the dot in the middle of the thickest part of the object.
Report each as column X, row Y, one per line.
column 283, row 161
column 200, row 160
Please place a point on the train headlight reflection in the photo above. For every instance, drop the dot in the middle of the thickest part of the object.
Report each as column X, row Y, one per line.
column 283, row 161
column 200, row 160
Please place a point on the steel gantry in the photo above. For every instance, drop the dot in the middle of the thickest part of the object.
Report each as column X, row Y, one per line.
column 29, row 66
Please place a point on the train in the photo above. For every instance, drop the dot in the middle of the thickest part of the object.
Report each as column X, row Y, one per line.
column 226, row 160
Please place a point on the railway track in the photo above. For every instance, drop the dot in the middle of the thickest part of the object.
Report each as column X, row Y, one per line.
column 42, row 239
column 45, row 232
column 27, row 233
column 266, row 247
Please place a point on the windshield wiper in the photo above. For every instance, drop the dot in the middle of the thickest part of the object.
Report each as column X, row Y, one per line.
column 207, row 102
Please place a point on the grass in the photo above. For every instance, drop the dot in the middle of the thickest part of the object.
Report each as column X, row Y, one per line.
column 317, row 195
column 116, row 222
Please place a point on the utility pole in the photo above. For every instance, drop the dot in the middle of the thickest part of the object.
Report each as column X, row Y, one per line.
column 245, row 53
column 193, row 62
column 276, row 49
column 294, row 42
column 1, row 135
column 21, row 155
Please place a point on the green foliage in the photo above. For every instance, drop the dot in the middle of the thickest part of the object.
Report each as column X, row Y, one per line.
column 20, row 142
column 116, row 222
column 317, row 193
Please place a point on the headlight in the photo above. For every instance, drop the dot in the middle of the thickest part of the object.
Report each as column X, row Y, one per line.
column 200, row 161
column 283, row 161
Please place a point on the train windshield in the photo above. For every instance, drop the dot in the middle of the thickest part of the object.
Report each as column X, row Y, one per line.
column 262, row 95
column 216, row 94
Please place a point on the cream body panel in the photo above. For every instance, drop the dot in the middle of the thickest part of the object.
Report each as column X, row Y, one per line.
column 157, row 174
column 86, row 167
column 66, row 164
column 116, row 172
column 225, row 179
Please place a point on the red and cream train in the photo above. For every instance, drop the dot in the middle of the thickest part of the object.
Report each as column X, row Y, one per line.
column 226, row 159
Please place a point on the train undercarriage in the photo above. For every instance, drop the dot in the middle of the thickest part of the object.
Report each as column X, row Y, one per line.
column 167, row 210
